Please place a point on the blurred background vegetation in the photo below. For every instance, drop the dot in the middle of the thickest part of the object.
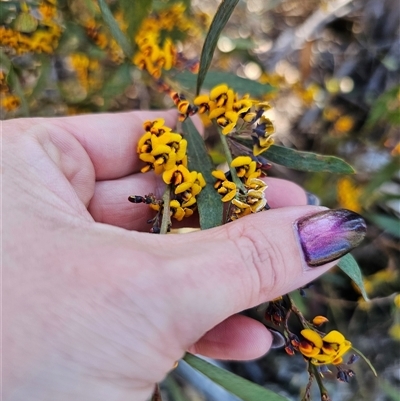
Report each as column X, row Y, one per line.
column 330, row 69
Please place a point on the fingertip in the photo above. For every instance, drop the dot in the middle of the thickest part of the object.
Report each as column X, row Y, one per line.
column 236, row 338
column 283, row 193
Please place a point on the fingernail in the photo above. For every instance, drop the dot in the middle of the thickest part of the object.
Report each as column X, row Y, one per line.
column 278, row 340
column 313, row 199
column 330, row 234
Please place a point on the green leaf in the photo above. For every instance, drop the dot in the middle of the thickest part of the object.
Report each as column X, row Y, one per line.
column 384, row 174
column 116, row 84
column 209, row 203
column 174, row 390
column 387, row 223
column 5, row 62
column 16, row 87
column 214, row 78
column 134, row 12
column 391, row 391
column 44, row 75
column 349, row 266
column 307, row 161
column 218, row 23
column 244, row 389
column 115, row 30
column 367, row 361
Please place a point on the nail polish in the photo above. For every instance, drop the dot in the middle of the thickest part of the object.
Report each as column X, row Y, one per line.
column 330, row 234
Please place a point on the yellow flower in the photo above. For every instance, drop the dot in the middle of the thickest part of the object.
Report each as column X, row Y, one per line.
column 319, row 320
column 176, row 210
column 245, row 166
column 397, row 301
column 349, row 194
column 161, row 148
column 344, row 124
column 324, row 350
column 228, row 189
column 256, row 200
column 10, row 102
column 242, row 209
column 261, row 145
column 394, row 331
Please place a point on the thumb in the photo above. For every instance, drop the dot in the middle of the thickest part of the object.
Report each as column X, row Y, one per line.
column 213, row 274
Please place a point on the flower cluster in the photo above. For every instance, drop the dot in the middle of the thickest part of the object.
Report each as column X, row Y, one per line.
column 251, row 199
column 36, row 31
column 156, row 49
column 164, row 151
column 96, row 31
column 8, row 101
column 328, row 349
column 87, row 71
column 225, row 107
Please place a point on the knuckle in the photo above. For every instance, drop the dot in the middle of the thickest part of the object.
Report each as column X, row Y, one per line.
column 264, row 259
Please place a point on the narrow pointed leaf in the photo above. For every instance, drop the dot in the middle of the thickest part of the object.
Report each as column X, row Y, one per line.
column 307, row 161
column 367, row 361
column 303, row 161
column 5, row 62
column 209, row 202
column 349, row 266
column 218, row 23
column 390, row 224
column 116, row 84
column 242, row 388
column 44, row 75
column 214, row 78
column 115, row 30
column 16, row 87
column 134, row 12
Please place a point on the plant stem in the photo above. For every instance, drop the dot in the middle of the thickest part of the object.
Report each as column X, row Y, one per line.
column 156, row 394
column 297, row 312
column 322, row 389
column 306, row 396
column 228, row 156
column 166, row 218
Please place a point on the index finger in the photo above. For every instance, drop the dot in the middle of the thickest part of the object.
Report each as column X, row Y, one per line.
column 110, row 139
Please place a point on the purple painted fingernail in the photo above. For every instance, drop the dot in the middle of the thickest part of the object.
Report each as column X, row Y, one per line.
column 330, row 234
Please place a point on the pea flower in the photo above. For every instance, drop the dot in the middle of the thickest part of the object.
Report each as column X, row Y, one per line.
column 324, row 350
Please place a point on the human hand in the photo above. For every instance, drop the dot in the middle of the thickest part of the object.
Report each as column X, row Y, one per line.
column 93, row 308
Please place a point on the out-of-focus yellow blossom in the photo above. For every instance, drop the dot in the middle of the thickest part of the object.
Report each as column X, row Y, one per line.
column 87, row 71
column 344, row 124
column 397, row 301
column 9, row 102
column 331, row 113
column 379, row 279
column 348, row 194
column 33, row 34
column 99, row 35
column 47, row 10
column 324, row 350
column 156, row 50
column 394, row 331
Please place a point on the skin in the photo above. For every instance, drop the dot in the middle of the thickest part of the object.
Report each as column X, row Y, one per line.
column 95, row 307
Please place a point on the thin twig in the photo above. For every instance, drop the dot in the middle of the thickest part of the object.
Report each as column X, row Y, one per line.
column 228, row 156
column 166, row 218
column 156, row 394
